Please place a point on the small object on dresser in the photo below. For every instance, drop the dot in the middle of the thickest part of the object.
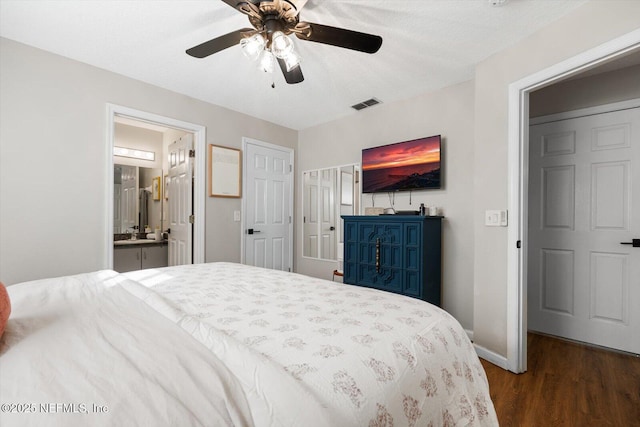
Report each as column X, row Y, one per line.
column 423, row 209
column 373, row 211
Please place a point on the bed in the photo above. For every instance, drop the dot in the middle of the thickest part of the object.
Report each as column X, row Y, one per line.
column 223, row 344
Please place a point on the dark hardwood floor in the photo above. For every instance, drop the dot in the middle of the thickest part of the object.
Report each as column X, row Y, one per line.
column 567, row 384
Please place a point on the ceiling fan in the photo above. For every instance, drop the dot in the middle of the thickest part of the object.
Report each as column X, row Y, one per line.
column 273, row 21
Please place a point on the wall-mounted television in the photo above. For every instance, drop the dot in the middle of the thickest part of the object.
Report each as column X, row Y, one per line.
column 403, row 166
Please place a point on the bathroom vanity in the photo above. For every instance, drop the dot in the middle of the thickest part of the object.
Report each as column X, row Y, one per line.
column 130, row 255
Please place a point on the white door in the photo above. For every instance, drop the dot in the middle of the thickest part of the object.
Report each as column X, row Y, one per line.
column 328, row 213
column 268, row 204
column 584, row 201
column 180, row 201
column 129, row 198
column 310, row 214
column 117, row 208
column 320, row 213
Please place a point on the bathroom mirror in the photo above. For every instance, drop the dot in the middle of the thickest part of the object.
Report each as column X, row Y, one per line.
column 134, row 204
column 327, row 194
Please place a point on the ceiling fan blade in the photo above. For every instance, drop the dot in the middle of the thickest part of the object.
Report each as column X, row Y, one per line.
column 232, row 3
column 219, row 43
column 292, row 77
column 297, row 4
column 340, row 37
column 248, row 7
column 239, row 3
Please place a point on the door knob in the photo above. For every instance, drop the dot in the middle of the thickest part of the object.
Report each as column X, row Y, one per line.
column 332, row 228
column 252, row 231
column 634, row 242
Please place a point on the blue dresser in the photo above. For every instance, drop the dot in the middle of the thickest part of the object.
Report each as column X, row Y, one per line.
column 395, row 253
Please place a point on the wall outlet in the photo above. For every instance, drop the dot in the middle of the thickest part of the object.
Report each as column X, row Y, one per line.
column 236, row 216
column 495, row 218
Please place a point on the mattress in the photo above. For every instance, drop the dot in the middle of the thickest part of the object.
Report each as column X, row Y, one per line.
column 222, row 344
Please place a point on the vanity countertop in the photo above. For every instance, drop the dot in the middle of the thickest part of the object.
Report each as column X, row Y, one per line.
column 138, row 242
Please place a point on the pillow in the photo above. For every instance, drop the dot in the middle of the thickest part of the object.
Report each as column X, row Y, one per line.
column 5, row 307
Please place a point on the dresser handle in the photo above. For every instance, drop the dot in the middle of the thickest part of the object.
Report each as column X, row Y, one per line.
column 378, row 255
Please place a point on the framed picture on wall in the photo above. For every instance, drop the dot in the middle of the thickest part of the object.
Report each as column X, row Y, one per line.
column 225, row 166
column 157, row 188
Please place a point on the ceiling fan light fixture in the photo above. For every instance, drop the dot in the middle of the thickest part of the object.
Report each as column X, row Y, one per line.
column 266, row 61
column 274, row 24
column 281, row 45
column 291, row 60
column 253, row 46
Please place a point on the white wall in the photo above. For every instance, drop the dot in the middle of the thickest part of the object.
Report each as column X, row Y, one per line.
column 448, row 112
column 590, row 91
column 53, row 160
column 589, row 26
column 139, row 138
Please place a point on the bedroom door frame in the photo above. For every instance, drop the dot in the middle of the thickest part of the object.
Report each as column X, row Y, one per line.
column 199, row 190
column 518, row 161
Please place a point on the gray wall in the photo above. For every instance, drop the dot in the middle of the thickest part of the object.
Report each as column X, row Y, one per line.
column 448, row 112
column 143, row 139
column 596, row 22
column 53, row 160
column 590, row 91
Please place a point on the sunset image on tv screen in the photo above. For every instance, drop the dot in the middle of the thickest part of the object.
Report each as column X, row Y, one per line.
column 409, row 165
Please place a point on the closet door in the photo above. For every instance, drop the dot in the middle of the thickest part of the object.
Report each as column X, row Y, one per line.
column 584, row 201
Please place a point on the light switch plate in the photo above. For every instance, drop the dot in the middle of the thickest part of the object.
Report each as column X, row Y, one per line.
column 495, row 218
column 236, row 216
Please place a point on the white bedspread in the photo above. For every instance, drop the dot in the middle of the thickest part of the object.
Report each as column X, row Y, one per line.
column 371, row 358
column 223, row 344
column 83, row 350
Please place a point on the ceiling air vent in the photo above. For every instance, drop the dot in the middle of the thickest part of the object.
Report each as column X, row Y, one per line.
column 364, row 104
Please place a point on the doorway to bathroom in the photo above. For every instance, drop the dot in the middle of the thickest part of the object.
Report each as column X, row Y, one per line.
column 169, row 133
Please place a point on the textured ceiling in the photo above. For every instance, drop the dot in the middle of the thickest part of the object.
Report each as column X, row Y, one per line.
column 428, row 44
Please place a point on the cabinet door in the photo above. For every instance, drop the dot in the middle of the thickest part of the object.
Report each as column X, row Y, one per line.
column 155, row 256
column 126, row 259
column 413, row 260
column 350, row 252
column 380, row 256
column 432, row 262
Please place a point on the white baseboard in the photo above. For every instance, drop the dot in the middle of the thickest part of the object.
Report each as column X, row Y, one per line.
column 491, row 357
column 488, row 355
